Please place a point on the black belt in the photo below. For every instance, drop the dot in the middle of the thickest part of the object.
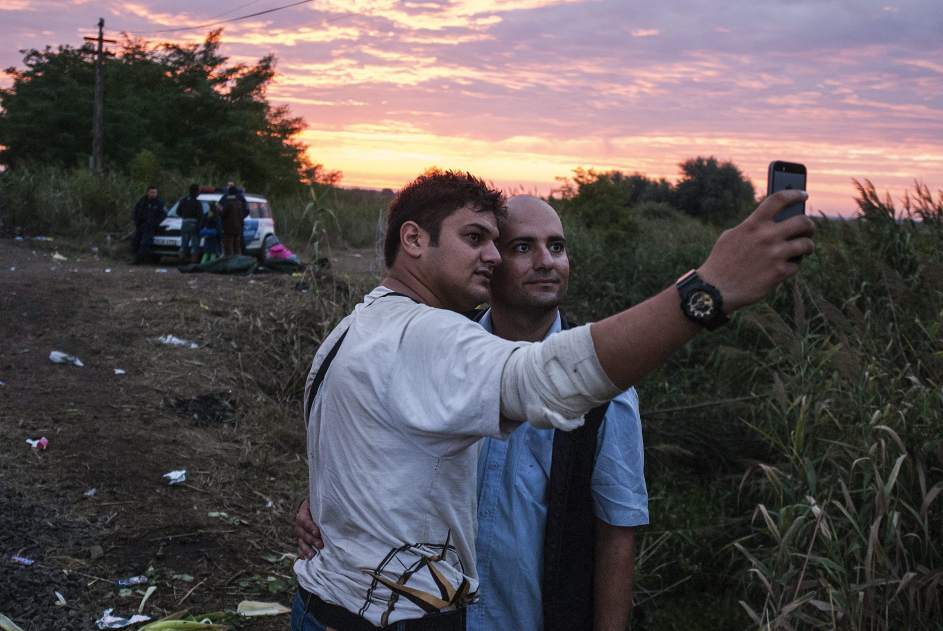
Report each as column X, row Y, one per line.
column 343, row 620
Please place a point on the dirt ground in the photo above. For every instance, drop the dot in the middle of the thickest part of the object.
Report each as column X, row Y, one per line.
column 94, row 507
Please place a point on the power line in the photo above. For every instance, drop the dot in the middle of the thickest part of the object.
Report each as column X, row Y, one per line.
column 236, row 19
column 232, row 10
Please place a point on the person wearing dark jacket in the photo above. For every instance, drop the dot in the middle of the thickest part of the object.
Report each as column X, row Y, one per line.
column 190, row 211
column 148, row 213
column 241, row 195
column 232, row 209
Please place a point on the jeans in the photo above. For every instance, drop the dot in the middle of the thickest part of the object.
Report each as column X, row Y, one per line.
column 189, row 237
column 302, row 620
column 231, row 245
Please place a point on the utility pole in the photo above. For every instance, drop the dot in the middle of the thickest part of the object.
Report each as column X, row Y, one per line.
column 98, row 124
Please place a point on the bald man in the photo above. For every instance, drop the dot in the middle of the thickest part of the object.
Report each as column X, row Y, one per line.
column 556, row 509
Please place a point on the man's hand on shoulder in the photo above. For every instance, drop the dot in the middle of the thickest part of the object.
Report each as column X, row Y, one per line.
column 307, row 532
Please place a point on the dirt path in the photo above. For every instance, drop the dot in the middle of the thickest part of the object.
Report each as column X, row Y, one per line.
column 94, row 507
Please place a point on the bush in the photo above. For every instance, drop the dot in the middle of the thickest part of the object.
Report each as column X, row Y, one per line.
column 627, row 267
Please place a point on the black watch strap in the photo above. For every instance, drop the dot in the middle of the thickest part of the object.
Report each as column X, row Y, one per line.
column 701, row 302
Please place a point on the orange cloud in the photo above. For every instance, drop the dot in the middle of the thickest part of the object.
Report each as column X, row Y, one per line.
column 389, row 153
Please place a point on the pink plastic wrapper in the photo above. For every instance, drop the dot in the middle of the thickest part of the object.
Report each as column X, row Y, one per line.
column 279, row 252
column 42, row 443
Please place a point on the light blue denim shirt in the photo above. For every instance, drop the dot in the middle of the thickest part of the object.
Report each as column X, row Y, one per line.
column 513, row 481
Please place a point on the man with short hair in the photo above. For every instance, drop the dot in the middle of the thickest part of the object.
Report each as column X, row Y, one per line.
column 555, row 508
column 148, row 213
column 403, row 388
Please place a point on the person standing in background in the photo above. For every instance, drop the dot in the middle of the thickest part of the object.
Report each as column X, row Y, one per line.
column 190, row 211
column 148, row 213
column 232, row 214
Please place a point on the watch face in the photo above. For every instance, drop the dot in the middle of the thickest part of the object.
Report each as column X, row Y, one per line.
column 701, row 304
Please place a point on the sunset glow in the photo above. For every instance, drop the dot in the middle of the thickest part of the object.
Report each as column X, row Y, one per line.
column 522, row 92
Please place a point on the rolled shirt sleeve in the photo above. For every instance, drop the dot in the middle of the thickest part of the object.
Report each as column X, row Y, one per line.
column 620, row 497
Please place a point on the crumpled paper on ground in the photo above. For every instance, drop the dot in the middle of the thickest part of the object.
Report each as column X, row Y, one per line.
column 176, row 477
column 58, row 357
column 173, row 340
column 40, row 443
column 108, row 621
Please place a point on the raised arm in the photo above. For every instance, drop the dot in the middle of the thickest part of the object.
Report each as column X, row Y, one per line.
column 745, row 264
column 575, row 370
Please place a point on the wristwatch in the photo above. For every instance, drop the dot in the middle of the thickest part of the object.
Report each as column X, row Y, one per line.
column 701, row 302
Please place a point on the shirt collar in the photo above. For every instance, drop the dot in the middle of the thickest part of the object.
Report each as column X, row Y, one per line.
column 486, row 324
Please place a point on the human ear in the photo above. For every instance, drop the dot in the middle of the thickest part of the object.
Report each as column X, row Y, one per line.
column 413, row 239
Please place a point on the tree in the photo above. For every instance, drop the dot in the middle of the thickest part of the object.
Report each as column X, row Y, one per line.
column 185, row 104
column 605, row 199
column 714, row 191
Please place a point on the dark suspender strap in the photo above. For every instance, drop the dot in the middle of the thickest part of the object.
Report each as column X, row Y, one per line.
column 322, row 370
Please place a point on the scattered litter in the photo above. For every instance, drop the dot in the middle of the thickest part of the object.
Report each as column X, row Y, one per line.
column 173, row 340
column 256, row 608
column 131, row 581
column 41, row 443
column 3, row 383
column 13, row 269
column 147, row 594
column 58, row 357
column 108, row 270
column 58, row 257
column 91, row 492
column 161, row 270
column 108, row 621
column 119, row 371
column 125, row 592
column 226, row 517
column 18, row 238
column 186, row 578
column 22, row 560
column 94, row 248
column 5, row 623
column 60, row 600
column 176, row 477
column 42, row 238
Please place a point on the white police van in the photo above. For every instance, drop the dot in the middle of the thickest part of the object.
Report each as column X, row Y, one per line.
column 258, row 227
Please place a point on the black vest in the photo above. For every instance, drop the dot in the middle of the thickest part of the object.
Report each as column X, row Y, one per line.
column 570, row 532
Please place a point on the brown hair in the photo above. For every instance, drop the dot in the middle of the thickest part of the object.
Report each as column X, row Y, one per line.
column 432, row 197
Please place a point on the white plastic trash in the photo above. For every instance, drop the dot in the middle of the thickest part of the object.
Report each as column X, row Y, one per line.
column 176, row 477
column 173, row 340
column 108, row 621
column 58, row 357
